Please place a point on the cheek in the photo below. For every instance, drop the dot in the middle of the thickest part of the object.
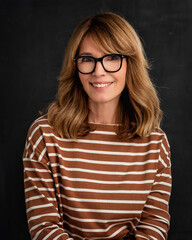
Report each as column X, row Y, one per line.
column 123, row 73
column 121, row 77
column 83, row 79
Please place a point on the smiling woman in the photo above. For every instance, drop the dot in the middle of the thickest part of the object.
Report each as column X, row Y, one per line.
column 138, row 110
column 103, row 87
column 97, row 165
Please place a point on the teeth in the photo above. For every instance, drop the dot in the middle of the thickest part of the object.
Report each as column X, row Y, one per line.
column 100, row 85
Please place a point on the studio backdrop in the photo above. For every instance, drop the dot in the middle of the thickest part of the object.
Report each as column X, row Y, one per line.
column 34, row 35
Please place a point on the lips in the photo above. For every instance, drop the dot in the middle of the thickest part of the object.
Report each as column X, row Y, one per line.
column 101, row 85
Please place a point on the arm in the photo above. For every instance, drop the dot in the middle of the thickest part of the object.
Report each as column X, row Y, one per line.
column 43, row 216
column 154, row 223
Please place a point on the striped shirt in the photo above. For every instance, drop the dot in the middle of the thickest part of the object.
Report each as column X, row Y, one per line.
column 98, row 187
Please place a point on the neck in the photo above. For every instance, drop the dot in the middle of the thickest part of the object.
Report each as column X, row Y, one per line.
column 105, row 113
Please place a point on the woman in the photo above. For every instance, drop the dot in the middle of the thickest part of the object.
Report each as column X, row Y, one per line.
column 97, row 165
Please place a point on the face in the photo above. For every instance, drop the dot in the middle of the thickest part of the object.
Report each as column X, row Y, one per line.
column 101, row 86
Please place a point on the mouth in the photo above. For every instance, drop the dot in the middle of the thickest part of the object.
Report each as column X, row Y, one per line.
column 101, row 85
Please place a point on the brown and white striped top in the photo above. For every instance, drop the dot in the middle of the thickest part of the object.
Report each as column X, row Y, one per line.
column 98, row 187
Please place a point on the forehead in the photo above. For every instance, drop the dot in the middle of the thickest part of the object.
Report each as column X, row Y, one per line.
column 88, row 45
column 95, row 45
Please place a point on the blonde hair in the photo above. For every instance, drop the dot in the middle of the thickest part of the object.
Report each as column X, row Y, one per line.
column 140, row 112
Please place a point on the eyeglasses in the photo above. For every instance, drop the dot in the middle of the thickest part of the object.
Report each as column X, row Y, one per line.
column 110, row 62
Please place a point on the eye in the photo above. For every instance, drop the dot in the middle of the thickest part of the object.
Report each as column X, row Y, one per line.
column 86, row 59
column 112, row 57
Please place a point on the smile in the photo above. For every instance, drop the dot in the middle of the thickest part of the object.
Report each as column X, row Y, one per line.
column 100, row 85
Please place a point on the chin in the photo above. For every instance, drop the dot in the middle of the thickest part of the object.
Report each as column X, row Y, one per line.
column 102, row 100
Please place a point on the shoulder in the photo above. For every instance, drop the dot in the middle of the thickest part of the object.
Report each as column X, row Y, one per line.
column 164, row 154
column 157, row 131
column 39, row 127
column 35, row 147
column 159, row 134
column 156, row 136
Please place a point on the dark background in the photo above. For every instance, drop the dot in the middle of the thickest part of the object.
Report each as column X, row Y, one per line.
column 33, row 37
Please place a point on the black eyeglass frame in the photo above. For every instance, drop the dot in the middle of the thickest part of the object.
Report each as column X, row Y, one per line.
column 101, row 61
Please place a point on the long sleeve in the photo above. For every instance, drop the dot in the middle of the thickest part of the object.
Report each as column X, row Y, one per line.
column 154, row 223
column 43, row 216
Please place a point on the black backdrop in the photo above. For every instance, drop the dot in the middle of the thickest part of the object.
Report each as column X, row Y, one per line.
column 34, row 34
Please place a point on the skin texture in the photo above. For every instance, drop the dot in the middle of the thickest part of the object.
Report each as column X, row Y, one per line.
column 103, row 101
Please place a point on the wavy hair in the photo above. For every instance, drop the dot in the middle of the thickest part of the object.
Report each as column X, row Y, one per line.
column 140, row 110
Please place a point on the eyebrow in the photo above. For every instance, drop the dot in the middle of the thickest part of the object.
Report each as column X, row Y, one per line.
column 85, row 54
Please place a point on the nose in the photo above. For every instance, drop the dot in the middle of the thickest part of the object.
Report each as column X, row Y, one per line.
column 99, row 70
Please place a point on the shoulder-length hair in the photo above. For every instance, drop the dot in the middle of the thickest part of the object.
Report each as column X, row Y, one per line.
column 140, row 112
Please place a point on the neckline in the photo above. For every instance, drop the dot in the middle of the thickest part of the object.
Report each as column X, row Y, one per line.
column 102, row 127
column 104, row 124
